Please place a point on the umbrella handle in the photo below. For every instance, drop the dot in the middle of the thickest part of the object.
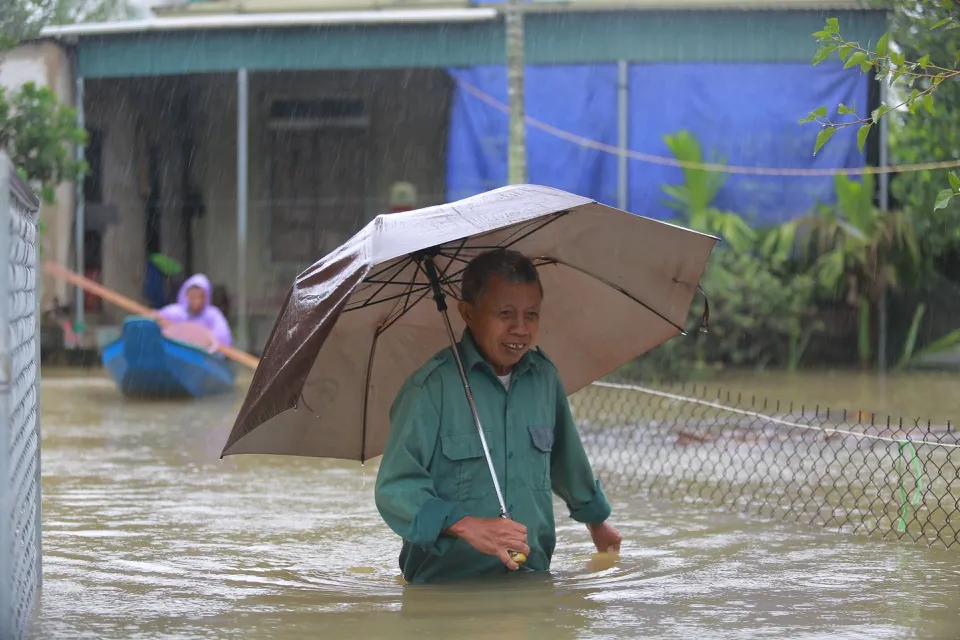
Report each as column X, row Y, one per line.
column 516, row 556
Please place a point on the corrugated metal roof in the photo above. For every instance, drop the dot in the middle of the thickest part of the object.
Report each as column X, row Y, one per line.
column 254, row 6
column 595, row 37
column 479, row 12
column 692, row 5
column 262, row 20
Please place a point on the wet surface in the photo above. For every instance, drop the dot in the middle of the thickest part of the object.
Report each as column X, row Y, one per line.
column 147, row 534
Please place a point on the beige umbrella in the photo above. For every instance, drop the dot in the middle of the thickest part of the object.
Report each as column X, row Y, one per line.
column 357, row 323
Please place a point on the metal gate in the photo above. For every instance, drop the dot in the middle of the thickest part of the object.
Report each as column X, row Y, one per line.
column 20, row 568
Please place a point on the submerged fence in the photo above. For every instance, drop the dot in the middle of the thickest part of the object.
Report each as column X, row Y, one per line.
column 19, row 404
column 851, row 473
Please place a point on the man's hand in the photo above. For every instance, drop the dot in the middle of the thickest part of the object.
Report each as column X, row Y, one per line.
column 605, row 537
column 493, row 536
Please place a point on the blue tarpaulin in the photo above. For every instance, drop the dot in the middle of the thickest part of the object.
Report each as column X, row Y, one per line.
column 578, row 99
column 742, row 114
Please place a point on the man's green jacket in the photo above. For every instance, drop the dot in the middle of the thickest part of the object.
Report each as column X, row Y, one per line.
column 434, row 473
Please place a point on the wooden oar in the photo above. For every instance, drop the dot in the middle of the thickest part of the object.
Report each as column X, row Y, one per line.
column 131, row 306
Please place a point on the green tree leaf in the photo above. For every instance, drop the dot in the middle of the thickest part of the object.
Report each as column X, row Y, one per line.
column 844, row 110
column 833, row 25
column 943, row 199
column 954, row 181
column 823, row 137
column 862, row 134
column 882, row 45
column 912, row 100
column 879, row 112
column 823, row 53
column 857, row 58
column 819, row 112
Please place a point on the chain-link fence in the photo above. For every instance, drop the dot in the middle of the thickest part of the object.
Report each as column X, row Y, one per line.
column 849, row 472
column 19, row 402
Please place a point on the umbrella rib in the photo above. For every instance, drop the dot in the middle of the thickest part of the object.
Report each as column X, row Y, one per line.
column 399, row 312
column 369, row 303
column 366, row 397
column 365, row 284
column 391, row 321
column 386, row 283
column 445, row 280
column 454, row 257
column 406, row 298
column 413, row 280
column 403, row 265
column 448, row 289
column 624, row 292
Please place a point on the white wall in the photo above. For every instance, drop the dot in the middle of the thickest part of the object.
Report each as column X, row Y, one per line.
column 46, row 64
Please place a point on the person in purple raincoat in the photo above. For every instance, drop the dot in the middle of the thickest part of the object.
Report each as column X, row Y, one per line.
column 193, row 305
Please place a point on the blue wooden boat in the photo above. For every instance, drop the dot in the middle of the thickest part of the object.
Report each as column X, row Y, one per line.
column 146, row 364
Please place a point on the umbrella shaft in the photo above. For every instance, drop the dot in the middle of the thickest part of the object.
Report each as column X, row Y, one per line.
column 431, row 269
column 476, row 416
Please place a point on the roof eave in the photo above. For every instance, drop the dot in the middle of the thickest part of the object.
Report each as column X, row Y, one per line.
column 269, row 20
column 480, row 12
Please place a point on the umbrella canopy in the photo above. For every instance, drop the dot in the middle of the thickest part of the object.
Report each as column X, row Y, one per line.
column 357, row 323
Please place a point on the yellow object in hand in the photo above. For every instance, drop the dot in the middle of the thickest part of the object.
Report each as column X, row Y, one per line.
column 517, row 557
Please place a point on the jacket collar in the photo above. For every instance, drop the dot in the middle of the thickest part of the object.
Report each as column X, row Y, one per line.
column 471, row 357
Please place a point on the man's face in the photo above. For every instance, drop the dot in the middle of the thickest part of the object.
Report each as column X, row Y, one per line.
column 195, row 299
column 504, row 322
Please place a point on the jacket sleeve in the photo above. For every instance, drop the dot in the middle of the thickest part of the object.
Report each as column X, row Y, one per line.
column 405, row 493
column 173, row 313
column 219, row 326
column 572, row 476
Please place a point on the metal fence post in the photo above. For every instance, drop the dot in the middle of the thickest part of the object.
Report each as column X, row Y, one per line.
column 7, row 628
column 243, row 128
column 20, row 490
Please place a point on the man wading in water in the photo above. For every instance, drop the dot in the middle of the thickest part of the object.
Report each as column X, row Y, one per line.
column 434, row 487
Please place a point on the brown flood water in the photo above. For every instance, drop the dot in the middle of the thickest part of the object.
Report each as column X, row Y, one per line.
column 147, row 534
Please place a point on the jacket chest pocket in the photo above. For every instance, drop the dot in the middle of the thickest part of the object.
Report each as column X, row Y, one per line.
column 465, row 475
column 541, row 446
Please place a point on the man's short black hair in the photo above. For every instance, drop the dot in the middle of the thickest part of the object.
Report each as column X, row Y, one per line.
column 512, row 266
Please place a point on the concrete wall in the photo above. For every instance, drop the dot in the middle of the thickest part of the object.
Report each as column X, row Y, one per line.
column 131, row 114
column 408, row 142
column 47, row 65
column 407, row 132
column 110, row 107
